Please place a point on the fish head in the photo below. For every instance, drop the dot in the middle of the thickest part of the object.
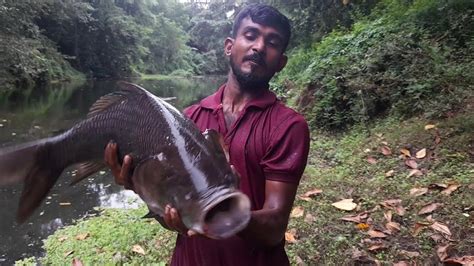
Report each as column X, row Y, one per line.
column 217, row 210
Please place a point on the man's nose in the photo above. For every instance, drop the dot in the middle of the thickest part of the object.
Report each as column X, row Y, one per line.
column 259, row 46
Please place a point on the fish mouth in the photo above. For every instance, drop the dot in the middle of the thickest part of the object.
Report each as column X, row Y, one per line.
column 226, row 216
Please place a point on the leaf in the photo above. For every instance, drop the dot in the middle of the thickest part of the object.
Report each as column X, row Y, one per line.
column 419, row 226
column 401, row 263
column 415, row 172
column 386, row 150
column 450, row 189
column 138, row 249
column 82, row 236
column 377, row 247
column 297, row 212
column 358, row 218
column 313, row 192
column 76, row 262
column 465, row 260
column 393, row 227
column 439, row 186
column 389, row 173
column 362, row 226
column 376, row 234
column 411, row 163
column 405, row 152
column 64, row 204
column 388, row 216
column 429, row 208
column 421, row 154
column 309, row 218
column 442, row 228
column 371, row 160
column 62, row 239
column 442, row 252
column 415, row 192
column 67, row 253
column 409, row 254
column 429, row 126
column 290, row 236
column 394, row 204
column 345, row 204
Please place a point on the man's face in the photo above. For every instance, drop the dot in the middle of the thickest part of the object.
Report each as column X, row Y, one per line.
column 256, row 53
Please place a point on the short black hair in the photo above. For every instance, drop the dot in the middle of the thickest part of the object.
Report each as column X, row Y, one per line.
column 265, row 15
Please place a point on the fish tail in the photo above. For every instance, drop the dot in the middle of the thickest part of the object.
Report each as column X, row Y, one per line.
column 32, row 164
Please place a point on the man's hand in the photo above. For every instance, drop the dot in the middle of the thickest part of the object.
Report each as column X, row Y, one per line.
column 172, row 221
column 121, row 173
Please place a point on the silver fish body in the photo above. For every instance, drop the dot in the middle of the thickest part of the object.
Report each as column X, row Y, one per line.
column 173, row 163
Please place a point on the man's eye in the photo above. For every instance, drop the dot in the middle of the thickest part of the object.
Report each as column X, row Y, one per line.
column 250, row 36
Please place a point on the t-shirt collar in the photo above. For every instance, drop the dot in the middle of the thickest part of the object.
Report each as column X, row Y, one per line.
column 214, row 101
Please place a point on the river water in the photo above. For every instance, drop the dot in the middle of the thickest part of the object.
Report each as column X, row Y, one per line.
column 30, row 115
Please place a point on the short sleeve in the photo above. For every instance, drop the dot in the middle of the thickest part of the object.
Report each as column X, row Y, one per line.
column 286, row 157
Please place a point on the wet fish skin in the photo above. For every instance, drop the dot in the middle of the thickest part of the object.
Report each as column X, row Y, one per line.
column 173, row 163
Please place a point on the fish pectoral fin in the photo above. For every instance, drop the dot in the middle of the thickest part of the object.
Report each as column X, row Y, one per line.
column 86, row 169
column 217, row 141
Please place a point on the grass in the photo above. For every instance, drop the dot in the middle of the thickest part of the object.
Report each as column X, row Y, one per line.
column 337, row 165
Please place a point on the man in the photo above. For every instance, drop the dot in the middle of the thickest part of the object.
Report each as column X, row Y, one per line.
column 268, row 146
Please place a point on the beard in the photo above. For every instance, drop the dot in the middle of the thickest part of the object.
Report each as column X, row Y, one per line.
column 249, row 81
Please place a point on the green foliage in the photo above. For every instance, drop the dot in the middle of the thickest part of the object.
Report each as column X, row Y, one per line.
column 395, row 63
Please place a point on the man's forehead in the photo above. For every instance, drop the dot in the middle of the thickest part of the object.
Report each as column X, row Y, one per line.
column 248, row 24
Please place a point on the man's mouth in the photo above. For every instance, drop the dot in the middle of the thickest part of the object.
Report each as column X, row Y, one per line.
column 255, row 59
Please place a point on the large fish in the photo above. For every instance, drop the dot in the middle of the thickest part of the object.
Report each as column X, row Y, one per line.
column 173, row 163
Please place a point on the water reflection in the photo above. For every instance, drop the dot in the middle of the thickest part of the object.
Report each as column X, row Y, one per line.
column 34, row 114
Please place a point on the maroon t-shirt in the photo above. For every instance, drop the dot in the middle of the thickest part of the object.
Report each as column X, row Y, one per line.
column 268, row 141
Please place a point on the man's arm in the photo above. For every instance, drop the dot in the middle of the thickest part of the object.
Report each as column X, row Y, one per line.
column 267, row 226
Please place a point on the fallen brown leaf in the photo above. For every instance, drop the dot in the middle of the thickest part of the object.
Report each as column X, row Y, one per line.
column 409, row 254
column 371, row 160
column 450, row 189
column 138, row 249
column 76, row 262
column 82, row 236
column 439, row 186
column 429, row 208
column 415, row 172
column 290, row 236
column 345, row 204
column 420, row 226
column 421, row 154
column 401, row 263
column 415, row 192
column 388, row 216
column 362, row 226
column 465, row 260
column 442, row 228
column 394, row 204
column 376, row 234
column 67, row 253
column 442, row 252
column 405, row 152
column 358, row 218
column 297, row 212
column 429, row 126
column 411, row 163
column 62, row 239
column 390, row 173
column 64, row 204
column 313, row 192
column 393, row 227
column 377, row 247
column 386, row 150
column 309, row 218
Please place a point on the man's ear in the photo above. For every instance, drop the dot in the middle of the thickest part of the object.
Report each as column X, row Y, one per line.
column 228, row 43
column 282, row 63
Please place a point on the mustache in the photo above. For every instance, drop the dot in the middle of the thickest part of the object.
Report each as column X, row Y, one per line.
column 256, row 57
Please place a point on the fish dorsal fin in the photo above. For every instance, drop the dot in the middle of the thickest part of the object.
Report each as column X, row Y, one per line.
column 86, row 169
column 217, row 141
column 110, row 99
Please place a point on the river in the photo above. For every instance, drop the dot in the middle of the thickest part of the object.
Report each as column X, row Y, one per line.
column 30, row 115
